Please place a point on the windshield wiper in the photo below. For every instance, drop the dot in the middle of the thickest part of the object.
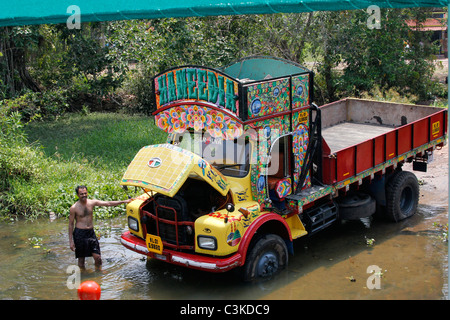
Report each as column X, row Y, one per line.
column 223, row 166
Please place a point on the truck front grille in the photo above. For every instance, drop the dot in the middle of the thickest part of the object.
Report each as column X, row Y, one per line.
column 168, row 219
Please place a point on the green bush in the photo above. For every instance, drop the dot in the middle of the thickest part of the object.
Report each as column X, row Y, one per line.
column 11, row 127
column 138, row 87
column 42, row 163
column 35, row 105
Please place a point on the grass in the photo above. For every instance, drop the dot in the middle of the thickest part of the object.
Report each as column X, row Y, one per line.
column 92, row 149
column 106, row 140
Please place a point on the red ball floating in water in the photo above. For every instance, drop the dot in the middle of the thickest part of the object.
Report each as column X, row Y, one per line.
column 89, row 290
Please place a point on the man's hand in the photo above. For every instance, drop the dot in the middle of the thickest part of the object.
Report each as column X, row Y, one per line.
column 72, row 245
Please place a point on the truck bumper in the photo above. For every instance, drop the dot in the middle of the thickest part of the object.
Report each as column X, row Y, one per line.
column 193, row 261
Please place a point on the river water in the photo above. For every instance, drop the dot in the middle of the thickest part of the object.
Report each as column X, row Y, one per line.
column 410, row 259
column 34, row 257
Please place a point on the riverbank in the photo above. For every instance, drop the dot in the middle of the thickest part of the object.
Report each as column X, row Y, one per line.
column 93, row 149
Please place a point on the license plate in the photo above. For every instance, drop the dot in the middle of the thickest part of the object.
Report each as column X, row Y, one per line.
column 154, row 243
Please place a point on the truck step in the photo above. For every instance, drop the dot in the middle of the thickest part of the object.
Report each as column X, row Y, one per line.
column 296, row 226
column 320, row 217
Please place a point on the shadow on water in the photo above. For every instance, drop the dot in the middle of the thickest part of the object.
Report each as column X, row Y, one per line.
column 330, row 265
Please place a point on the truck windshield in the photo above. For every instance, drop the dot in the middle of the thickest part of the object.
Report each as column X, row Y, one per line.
column 230, row 157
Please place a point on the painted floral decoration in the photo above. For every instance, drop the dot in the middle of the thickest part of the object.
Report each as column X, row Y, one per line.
column 179, row 118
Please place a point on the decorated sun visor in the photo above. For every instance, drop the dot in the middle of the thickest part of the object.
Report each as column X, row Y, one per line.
column 198, row 98
column 164, row 168
column 197, row 84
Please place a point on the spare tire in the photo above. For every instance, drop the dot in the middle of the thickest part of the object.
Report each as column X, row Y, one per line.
column 402, row 196
column 356, row 206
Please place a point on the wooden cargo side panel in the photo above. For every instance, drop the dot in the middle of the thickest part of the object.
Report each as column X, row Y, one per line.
column 421, row 133
column 345, row 163
column 391, row 145
column 329, row 164
column 364, row 156
column 437, row 125
column 404, row 139
column 379, row 152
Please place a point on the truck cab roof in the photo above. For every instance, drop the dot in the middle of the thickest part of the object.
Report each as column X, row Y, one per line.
column 257, row 68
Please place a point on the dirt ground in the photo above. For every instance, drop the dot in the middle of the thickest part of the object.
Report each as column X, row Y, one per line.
column 434, row 189
column 434, row 182
column 441, row 71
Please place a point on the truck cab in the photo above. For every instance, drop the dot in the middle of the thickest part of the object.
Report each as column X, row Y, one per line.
column 236, row 145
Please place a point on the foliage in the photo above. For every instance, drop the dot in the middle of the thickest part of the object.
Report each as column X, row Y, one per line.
column 92, row 149
column 393, row 56
column 48, row 70
column 88, row 54
column 116, row 60
column 282, row 35
column 388, row 95
column 15, row 44
column 443, row 229
column 14, row 152
column 11, row 127
column 36, row 105
column 147, row 47
column 18, row 161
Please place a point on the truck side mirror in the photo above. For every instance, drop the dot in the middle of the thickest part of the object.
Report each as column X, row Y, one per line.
column 230, row 207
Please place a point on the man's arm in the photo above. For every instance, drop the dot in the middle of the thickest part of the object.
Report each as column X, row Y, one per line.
column 71, row 221
column 99, row 203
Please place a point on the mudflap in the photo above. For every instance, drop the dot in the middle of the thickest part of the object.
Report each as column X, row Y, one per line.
column 377, row 189
column 290, row 246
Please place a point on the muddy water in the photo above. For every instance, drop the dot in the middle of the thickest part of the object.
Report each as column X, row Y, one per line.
column 411, row 257
column 332, row 265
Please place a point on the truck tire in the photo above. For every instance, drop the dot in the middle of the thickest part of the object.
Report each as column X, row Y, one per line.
column 402, row 196
column 267, row 257
column 356, row 206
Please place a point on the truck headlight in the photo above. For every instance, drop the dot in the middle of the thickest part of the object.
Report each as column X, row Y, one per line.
column 133, row 224
column 207, row 242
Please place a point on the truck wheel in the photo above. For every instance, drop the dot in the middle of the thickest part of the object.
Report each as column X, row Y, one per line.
column 267, row 257
column 356, row 206
column 402, row 196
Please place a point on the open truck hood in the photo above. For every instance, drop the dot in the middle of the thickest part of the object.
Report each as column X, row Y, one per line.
column 164, row 168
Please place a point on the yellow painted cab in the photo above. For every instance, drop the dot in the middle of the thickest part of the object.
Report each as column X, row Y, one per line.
column 205, row 190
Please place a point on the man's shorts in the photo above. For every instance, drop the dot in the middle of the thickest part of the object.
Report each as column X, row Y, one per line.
column 86, row 242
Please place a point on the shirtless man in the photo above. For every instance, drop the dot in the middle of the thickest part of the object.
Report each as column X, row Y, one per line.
column 82, row 238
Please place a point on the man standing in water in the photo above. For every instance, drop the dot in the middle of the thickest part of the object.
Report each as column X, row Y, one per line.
column 82, row 238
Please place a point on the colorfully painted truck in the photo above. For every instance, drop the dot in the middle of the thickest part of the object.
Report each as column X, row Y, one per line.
column 250, row 164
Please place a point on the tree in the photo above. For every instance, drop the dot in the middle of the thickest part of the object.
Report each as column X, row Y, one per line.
column 284, row 35
column 14, row 75
column 88, row 56
column 393, row 56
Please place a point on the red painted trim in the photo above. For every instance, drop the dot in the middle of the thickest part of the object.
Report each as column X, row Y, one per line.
column 248, row 235
column 206, row 263
column 189, row 260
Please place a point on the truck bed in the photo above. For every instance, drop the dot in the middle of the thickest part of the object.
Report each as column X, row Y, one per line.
column 364, row 136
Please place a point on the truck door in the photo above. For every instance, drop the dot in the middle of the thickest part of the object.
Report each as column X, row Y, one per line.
column 279, row 175
column 300, row 140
